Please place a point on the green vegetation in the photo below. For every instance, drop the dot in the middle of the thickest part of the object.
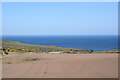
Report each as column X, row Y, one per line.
column 108, row 51
column 24, row 51
column 12, row 46
column 20, row 47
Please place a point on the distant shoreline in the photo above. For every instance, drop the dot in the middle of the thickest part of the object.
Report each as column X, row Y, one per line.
column 28, row 47
column 96, row 43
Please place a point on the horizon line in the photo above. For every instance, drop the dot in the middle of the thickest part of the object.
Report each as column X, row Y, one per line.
column 60, row 35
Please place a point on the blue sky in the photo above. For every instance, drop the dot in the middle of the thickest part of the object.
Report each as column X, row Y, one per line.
column 60, row 18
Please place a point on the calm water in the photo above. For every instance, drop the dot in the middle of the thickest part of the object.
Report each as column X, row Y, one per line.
column 97, row 43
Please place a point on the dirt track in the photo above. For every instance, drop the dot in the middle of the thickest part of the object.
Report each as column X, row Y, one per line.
column 65, row 66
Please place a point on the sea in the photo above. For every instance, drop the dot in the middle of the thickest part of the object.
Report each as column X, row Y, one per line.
column 88, row 42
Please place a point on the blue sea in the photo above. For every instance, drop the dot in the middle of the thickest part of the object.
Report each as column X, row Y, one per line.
column 93, row 42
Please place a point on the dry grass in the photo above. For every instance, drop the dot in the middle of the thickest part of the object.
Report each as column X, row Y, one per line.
column 19, row 58
column 26, row 57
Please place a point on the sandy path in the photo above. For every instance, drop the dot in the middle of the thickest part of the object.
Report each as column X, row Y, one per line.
column 66, row 66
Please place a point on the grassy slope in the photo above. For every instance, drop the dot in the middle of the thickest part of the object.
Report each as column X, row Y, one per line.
column 11, row 44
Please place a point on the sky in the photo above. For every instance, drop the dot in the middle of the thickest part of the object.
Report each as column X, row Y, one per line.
column 60, row 18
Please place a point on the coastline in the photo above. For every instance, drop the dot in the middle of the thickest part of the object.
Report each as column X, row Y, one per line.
column 58, row 65
column 87, row 42
column 17, row 47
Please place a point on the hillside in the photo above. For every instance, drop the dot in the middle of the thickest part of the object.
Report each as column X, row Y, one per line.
column 28, row 47
column 20, row 47
column 17, row 45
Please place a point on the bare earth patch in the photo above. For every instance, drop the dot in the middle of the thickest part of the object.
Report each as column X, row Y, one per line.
column 61, row 66
column 19, row 58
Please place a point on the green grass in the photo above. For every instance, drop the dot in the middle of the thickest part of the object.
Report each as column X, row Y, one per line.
column 13, row 45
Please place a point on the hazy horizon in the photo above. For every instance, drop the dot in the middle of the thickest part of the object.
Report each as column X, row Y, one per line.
column 59, row 35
